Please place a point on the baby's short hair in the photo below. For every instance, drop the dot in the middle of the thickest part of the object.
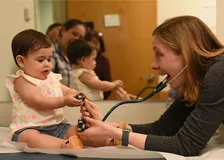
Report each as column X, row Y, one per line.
column 29, row 40
column 77, row 49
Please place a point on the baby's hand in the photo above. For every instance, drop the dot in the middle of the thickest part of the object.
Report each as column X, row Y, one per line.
column 71, row 101
column 118, row 83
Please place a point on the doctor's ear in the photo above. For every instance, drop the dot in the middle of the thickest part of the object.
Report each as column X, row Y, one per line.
column 20, row 61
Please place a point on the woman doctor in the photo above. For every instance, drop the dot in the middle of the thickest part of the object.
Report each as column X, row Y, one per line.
column 192, row 58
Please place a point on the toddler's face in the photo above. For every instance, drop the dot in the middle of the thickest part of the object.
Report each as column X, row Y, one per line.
column 38, row 64
column 90, row 61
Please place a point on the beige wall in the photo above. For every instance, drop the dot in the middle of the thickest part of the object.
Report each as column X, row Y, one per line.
column 130, row 113
column 12, row 21
column 170, row 8
column 220, row 20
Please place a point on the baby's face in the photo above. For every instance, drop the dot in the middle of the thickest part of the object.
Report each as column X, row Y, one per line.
column 90, row 61
column 38, row 64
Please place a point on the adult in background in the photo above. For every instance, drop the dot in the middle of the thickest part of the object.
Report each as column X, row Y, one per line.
column 71, row 30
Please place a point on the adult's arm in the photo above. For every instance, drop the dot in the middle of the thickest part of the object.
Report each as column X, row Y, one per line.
column 203, row 121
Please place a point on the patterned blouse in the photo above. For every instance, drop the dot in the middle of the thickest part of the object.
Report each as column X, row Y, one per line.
column 25, row 116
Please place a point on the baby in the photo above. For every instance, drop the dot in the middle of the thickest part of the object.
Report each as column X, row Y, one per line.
column 82, row 56
column 38, row 96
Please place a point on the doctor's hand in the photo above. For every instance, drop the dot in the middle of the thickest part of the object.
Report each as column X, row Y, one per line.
column 98, row 130
column 91, row 110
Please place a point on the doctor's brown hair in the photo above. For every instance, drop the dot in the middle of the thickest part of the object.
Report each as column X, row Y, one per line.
column 191, row 37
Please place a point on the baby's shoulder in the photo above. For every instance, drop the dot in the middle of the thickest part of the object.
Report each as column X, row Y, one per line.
column 19, row 77
column 81, row 71
column 54, row 76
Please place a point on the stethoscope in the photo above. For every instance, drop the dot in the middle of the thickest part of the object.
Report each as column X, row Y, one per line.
column 157, row 89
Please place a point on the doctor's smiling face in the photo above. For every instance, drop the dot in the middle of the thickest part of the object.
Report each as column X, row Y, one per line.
column 168, row 62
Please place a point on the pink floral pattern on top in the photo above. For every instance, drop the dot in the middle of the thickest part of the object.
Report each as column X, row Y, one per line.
column 23, row 115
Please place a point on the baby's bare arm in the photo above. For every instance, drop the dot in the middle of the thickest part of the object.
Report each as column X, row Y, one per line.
column 66, row 90
column 93, row 82
column 32, row 96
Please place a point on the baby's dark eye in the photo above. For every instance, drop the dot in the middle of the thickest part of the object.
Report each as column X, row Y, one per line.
column 40, row 60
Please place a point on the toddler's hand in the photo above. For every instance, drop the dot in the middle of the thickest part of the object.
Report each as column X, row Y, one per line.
column 71, row 101
column 118, row 83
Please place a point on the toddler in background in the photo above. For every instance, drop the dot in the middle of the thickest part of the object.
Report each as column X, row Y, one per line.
column 102, row 69
column 82, row 55
column 37, row 94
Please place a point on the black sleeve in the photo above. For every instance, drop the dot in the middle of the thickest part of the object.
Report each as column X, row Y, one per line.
column 169, row 123
column 203, row 121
